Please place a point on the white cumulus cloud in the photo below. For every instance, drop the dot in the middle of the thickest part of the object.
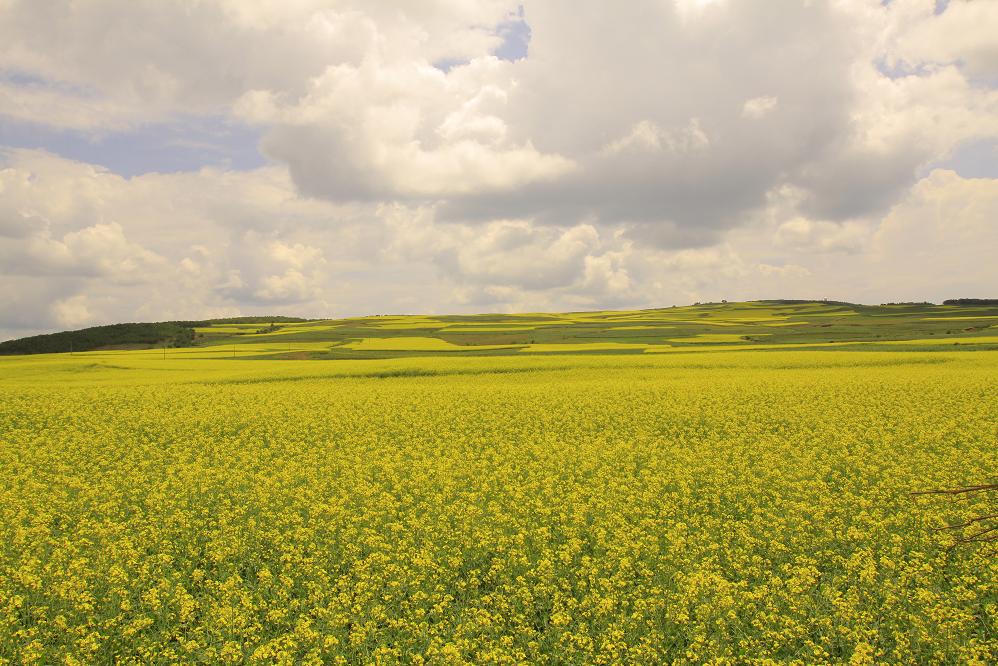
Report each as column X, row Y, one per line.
column 638, row 153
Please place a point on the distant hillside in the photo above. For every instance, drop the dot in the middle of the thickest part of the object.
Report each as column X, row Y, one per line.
column 971, row 301
column 123, row 336
column 724, row 326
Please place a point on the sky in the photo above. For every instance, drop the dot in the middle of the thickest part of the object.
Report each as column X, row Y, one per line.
column 187, row 159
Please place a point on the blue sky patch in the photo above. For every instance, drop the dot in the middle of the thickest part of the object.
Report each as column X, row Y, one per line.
column 974, row 159
column 516, row 37
column 187, row 144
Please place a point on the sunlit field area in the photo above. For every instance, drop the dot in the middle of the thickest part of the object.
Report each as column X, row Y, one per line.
column 544, row 490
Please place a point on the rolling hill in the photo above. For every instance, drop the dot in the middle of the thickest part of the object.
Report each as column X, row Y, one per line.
column 759, row 325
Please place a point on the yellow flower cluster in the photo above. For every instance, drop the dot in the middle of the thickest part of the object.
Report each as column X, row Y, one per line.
column 710, row 508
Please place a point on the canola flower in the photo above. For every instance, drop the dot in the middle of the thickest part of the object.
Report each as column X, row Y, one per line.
column 720, row 508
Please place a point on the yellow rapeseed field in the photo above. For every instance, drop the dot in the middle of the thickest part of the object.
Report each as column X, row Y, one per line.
column 730, row 507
